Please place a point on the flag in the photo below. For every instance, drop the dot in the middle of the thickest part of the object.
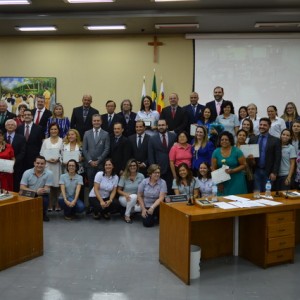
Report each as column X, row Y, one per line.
column 161, row 102
column 154, row 92
column 143, row 90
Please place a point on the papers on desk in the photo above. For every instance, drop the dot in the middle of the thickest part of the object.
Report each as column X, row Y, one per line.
column 268, row 202
column 252, row 149
column 236, row 198
column 219, row 175
column 51, row 153
column 224, row 205
column 7, row 166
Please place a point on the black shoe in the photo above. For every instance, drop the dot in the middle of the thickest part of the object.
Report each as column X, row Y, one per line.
column 46, row 218
column 106, row 216
column 89, row 210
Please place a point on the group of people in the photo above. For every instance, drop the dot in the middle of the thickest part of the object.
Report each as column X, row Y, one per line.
column 130, row 161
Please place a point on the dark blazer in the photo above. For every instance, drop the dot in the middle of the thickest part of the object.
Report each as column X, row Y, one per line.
column 8, row 116
column 180, row 121
column 110, row 128
column 129, row 128
column 77, row 120
column 158, row 154
column 273, row 153
column 120, row 153
column 44, row 119
column 212, row 106
column 140, row 154
column 192, row 117
column 33, row 144
column 19, row 146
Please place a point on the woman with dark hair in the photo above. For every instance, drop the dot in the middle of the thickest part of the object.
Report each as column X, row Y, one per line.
column 228, row 119
column 232, row 157
column 51, row 148
column 277, row 124
column 204, row 179
column 180, row 152
column 202, row 148
column 7, row 153
column 247, row 125
column 70, row 186
column 296, row 135
column 128, row 187
column 288, row 162
column 151, row 192
column 185, row 183
column 243, row 113
column 102, row 196
column 290, row 114
column 149, row 116
column 20, row 116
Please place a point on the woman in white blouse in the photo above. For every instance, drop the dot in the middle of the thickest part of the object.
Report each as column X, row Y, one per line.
column 277, row 124
column 149, row 116
column 102, row 196
column 51, row 151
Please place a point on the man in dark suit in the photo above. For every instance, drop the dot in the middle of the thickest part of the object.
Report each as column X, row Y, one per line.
column 268, row 163
column 193, row 110
column 81, row 119
column 95, row 148
column 139, row 146
column 158, row 151
column 128, row 117
column 34, row 137
column 174, row 115
column 217, row 106
column 18, row 143
column 110, row 118
column 4, row 115
column 120, row 149
column 41, row 114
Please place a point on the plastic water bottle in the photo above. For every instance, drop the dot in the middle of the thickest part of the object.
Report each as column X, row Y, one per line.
column 268, row 189
column 214, row 197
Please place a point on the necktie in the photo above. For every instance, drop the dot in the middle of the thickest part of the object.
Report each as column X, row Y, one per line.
column 27, row 132
column 96, row 135
column 261, row 151
column 109, row 120
column 195, row 110
column 218, row 108
column 140, row 141
column 9, row 139
column 164, row 141
column 1, row 118
column 116, row 140
column 37, row 121
column 173, row 112
column 85, row 113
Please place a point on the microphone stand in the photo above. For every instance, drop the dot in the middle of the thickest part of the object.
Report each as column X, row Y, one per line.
column 190, row 201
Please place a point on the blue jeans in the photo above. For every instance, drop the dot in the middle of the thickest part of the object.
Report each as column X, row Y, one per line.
column 45, row 203
column 150, row 220
column 69, row 211
column 260, row 180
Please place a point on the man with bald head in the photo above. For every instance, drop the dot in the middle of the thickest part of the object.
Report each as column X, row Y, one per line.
column 18, row 143
column 174, row 115
column 82, row 116
column 4, row 114
column 193, row 110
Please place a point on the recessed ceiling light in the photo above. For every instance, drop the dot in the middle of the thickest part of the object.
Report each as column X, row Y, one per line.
column 174, row 0
column 276, row 24
column 105, row 27
column 14, row 2
column 36, row 28
column 175, row 25
column 89, row 1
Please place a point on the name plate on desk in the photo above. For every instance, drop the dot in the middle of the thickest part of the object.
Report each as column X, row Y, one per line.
column 26, row 193
column 290, row 194
column 176, row 198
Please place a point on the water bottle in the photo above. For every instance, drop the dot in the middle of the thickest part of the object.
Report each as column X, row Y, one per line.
column 214, row 197
column 268, row 189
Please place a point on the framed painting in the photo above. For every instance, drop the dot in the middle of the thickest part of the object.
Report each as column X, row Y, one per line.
column 24, row 90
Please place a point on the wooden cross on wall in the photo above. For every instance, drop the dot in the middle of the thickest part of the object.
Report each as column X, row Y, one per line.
column 155, row 45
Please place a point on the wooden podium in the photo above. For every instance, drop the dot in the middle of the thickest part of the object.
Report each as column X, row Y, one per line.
column 21, row 230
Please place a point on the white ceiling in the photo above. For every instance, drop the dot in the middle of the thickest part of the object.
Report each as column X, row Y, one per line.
column 140, row 16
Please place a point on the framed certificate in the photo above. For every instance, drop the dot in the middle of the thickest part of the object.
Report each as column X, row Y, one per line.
column 7, row 165
column 51, row 153
column 250, row 149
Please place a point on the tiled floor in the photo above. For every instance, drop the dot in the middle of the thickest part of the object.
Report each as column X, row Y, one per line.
column 90, row 260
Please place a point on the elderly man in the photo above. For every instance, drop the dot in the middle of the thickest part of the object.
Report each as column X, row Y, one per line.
column 4, row 114
column 82, row 116
column 39, row 180
column 18, row 143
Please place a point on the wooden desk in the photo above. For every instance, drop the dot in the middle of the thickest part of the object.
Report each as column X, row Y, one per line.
column 21, row 230
column 212, row 230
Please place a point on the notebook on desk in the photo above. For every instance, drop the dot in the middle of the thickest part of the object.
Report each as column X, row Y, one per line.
column 176, row 198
